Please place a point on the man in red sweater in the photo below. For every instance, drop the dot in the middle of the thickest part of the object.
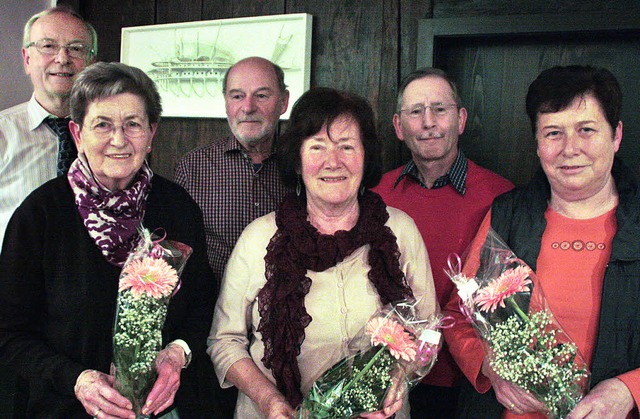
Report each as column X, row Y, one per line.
column 446, row 194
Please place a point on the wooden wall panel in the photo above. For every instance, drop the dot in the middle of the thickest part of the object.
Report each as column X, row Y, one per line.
column 355, row 48
column 110, row 16
column 392, row 37
column 360, row 45
column 410, row 12
column 494, row 74
column 223, row 9
column 505, row 145
column 458, row 8
column 170, row 11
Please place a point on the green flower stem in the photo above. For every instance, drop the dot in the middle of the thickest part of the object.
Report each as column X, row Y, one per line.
column 364, row 370
column 518, row 310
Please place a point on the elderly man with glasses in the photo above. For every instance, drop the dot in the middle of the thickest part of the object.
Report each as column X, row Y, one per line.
column 446, row 194
column 35, row 143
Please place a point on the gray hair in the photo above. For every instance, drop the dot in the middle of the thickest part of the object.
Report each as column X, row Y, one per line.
column 420, row 74
column 63, row 8
column 276, row 69
column 102, row 80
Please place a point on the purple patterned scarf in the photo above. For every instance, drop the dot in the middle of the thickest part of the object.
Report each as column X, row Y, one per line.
column 110, row 217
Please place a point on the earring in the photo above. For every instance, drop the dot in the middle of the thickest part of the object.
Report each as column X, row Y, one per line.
column 148, row 148
column 298, row 187
column 362, row 190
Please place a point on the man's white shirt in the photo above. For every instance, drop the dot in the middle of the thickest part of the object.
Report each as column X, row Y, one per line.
column 28, row 155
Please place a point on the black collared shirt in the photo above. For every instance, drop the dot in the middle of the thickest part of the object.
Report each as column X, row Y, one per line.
column 456, row 175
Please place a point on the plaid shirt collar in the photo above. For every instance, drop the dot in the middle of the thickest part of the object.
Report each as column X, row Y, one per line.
column 457, row 175
column 233, row 145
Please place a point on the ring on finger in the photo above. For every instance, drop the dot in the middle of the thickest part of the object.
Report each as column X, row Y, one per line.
column 97, row 412
column 512, row 406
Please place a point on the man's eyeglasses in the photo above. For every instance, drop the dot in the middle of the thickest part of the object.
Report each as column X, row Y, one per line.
column 74, row 49
column 438, row 110
column 131, row 129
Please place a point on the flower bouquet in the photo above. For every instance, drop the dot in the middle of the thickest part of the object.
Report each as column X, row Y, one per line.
column 149, row 278
column 402, row 350
column 525, row 344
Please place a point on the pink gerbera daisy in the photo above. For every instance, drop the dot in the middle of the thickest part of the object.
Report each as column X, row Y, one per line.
column 387, row 332
column 148, row 276
column 510, row 282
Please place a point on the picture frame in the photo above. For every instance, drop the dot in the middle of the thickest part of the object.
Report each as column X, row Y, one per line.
column 188, row 60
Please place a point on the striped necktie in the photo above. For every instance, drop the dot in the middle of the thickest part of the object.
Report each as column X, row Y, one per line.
column 67, row 152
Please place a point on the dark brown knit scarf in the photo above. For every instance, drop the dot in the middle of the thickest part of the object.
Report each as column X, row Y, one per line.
column 297, row 247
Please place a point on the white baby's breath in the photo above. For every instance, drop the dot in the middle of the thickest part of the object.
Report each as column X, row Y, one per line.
column 528, row 354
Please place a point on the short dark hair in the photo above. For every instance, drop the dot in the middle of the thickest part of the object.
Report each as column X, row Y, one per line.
column 276, row 69
column 555, row 88
column 102, row 80
column 420, row 74
column 314, row 109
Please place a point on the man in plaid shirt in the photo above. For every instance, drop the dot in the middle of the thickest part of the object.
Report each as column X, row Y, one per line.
column 235, row 179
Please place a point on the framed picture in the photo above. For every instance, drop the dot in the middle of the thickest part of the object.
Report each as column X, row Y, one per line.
column 188, row 60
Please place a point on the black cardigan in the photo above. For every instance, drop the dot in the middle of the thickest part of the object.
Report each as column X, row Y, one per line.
column 58, row 294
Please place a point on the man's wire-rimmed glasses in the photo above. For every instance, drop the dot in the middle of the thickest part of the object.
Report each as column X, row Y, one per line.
column 49, row 47
column 438, row 110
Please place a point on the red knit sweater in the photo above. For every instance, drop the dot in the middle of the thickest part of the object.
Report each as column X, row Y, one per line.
column 448, row 222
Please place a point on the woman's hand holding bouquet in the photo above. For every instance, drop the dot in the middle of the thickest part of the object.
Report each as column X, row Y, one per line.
column 146, row 374
column 530, row 360
column 372, row 382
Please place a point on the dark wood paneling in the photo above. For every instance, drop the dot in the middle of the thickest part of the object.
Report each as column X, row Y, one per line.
column 355, row 48
column 494, row 78
column 495, row 58
column 171, row 11
column 451, row 8
column 408, row 16
column 223, row 9
column 391, row 54
column 177, row 136
column 411, row 13
column 110, row 16
column 75, row 4
column 359, row 45
column 504, row 144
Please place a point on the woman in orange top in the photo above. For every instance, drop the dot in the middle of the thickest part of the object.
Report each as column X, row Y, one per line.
column 576, row 224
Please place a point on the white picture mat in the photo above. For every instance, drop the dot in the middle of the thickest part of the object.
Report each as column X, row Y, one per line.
column 188, row 60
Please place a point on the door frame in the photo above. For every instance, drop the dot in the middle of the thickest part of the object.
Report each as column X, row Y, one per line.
column 430, row 31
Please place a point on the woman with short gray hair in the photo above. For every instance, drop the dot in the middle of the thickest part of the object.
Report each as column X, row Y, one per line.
column 65, row 247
